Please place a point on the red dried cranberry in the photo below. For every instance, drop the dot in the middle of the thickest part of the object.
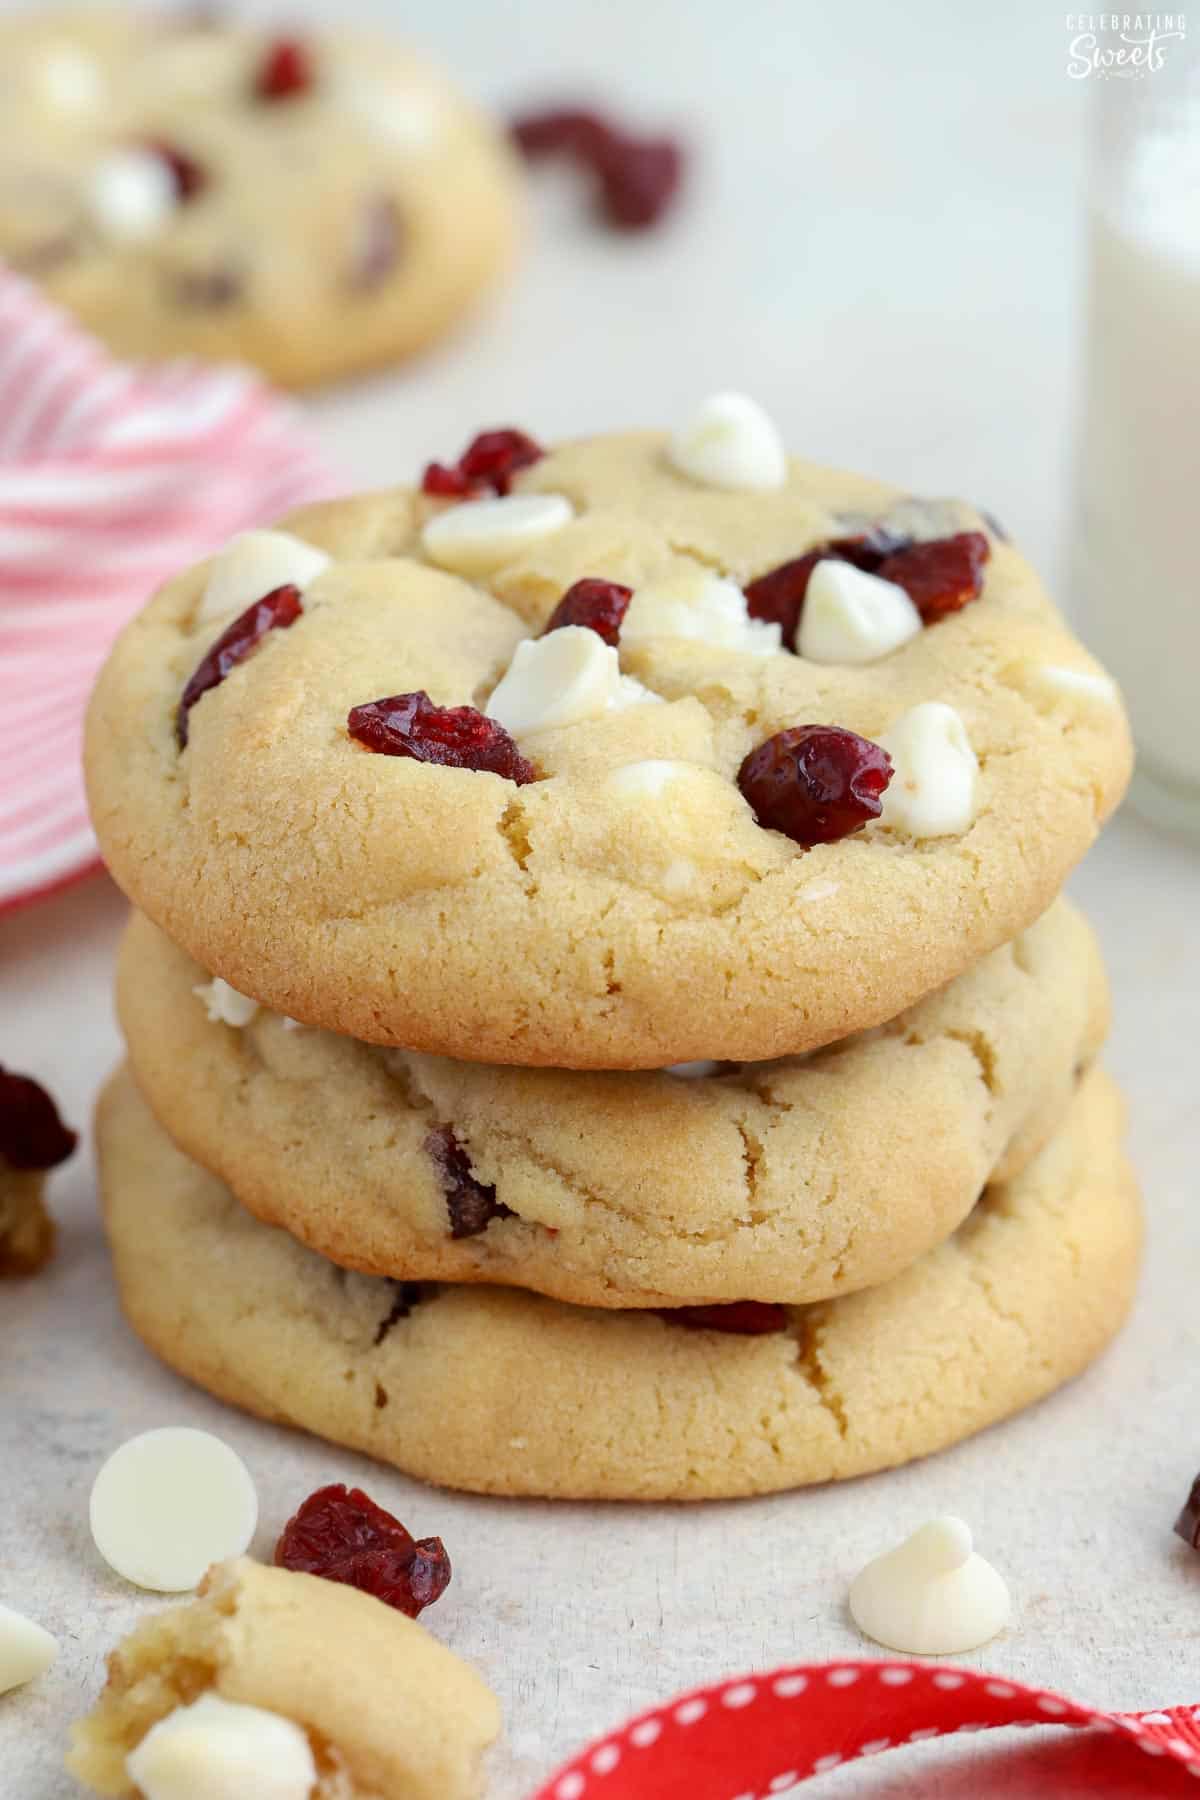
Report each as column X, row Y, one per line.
column 339, row 1533
column 563, row 131
column 32, row 1136
column 490, row 460
column 285, row 71
column 815, row 783
column 778, row 597
column 470, row 1204
column 1187, row 1525
column 188, row 175
column 742, row 1318
column 600, row 605
column 457, row 737
column 940, row 576
column 280, row 608
column 639, row 178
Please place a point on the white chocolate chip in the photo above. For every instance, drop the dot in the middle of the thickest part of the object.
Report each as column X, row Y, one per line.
column 814, row 891
column 168, row 1504
column 481, row 535
column 693, row 1071
column 252, row 565
column 701, row 606
column 216, row 1750
column 850, row 616
column 729, row 442
column 1082, row 684
column 646, row 780
column 131, row 192
column 224, row 1005
column 932, row 1596
column 934, row 790
column 26, row 1650
column 67, row 79
column 679, row 877
column 631, row 692
column 560, row 679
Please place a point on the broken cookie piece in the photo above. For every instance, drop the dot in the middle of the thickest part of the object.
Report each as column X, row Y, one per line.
column 354, row 1701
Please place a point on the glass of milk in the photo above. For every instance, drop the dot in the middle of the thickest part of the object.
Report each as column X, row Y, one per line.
column 1137, row 550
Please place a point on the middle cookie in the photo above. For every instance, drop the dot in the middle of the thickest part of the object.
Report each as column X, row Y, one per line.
column 793, row 1180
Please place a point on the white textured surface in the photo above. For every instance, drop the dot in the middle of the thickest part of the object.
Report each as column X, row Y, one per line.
column 888, row 264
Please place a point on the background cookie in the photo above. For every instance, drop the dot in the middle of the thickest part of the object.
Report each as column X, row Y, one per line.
column 498, row 1391
column 313, row 205
column 403, row 1716
column 598, row 916
column 784, row 1181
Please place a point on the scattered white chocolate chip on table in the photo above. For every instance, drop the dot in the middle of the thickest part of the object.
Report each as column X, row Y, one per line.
column 481, row 535
column 217, row 1750
column 224, row 1005
column 168, row 1504
column 934, row 1595
column 252, row 565
column 934, row 790
column 851, row 616
column 730, row 442
column 26, row 1649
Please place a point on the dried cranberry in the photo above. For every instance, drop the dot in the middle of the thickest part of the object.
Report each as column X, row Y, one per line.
column 32, row 1136
column 1187, row 1525
column 207, row 289
column 280, row 608
column 339, row 1533
column 778, row 597
column 189, row 176
column 490, row 460
column 815, row 783
column 940, row 576
column 638, row 180
column 470, row 1204
column 563, row 131
column 457, row 737
column 742, row 1318
column 600, row 605
column 285, row 71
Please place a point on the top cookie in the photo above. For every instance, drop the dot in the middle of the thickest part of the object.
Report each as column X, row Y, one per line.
column 609, row 889
column 312, row 205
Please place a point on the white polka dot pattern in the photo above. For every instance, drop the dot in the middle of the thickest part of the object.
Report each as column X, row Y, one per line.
column 759, row 1738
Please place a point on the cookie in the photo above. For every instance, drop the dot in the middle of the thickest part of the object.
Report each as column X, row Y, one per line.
column 765, row 1182
column 504, row 1392
column 312, row 205
column 589, row 886
column 404, row 1719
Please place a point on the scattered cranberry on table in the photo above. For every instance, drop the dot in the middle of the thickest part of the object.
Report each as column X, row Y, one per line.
column 32, row 1135
column 815, row 783
column 600, row 606
column 341, row 1535
column 637, row 178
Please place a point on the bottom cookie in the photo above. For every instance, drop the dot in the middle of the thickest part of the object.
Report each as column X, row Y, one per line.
column 504, row 1392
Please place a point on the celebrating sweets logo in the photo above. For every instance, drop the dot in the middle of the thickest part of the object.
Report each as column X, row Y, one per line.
column 1126, row 45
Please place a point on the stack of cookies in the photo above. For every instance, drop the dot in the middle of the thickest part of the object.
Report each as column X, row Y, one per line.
column 601, row 1019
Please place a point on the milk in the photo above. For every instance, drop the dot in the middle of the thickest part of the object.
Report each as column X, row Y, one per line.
column 1138, row 554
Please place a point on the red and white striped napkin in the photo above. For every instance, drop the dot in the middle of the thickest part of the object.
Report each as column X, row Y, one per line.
column 112, row 477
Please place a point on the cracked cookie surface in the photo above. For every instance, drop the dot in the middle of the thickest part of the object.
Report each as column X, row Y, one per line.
column 499, row 1391
column 764, row 1182
column 575, row 921
column 319, row 205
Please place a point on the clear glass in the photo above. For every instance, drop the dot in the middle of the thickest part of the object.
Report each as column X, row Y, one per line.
column 1137, row 539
